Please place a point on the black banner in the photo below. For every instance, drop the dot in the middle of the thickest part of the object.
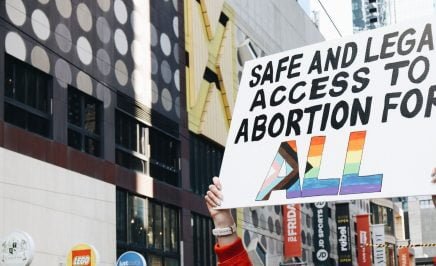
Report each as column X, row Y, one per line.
column 321, row 242
column 344, row 234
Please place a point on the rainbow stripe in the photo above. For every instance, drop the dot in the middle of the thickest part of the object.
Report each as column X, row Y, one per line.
column 312, row 186
column 352, row 183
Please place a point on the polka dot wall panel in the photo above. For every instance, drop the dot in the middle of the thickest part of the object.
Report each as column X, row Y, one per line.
column 165, row 68
column 82, row 43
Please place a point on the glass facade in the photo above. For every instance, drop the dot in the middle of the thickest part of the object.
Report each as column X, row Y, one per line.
column 27, row 97
column 383, row 215
column 84, row 122
column 148, row 227
column 205, row 162
column 203, row 239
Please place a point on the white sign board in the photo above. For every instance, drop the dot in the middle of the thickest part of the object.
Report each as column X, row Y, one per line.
column 16, row 249
column 347, row 119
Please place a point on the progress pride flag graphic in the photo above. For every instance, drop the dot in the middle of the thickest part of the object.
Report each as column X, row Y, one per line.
column 292, row 228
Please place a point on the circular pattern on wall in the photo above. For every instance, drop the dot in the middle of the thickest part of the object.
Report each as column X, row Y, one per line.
column 278, row 227
column 15, row 46
column 154, row 64
column 165, row 44
column 277, row 209
column 64, row 8
column 43, row 1
column 255, row 218
column 16, row 12
column 103, row 62
column 84, row 82
column 165, row 71
column 103, row 30
column 40, row 24
column 104, row 94
column 262, row 221
column 270, row 225
column 175, row 5
column 177, row 79
column 84, row 17
column 84, row 50
column 63, row 73
column 104, row 5
column 39, row 59
column 176, row 52
column 167, row 100
column 63, row 38
column 164, row 36
column 263, row 241
column 153, row 35
column 247, row 238
column 154, row 92
column 120, row 11
column 121, row 72
column 121, row 41
column 176, row 26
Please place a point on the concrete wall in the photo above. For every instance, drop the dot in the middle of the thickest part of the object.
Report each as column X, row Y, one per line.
column 275, row 25
column 428, row 218
column 57, row 208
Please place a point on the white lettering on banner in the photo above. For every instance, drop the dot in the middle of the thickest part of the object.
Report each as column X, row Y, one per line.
column 343, row 239
column 291, row 219
column 81, row 260
column 363, row 243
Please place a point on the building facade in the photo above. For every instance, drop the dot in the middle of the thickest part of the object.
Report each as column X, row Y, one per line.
column 114, row 116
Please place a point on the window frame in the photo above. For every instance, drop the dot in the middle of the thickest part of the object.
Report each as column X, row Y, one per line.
column 125, row 243
column 81, row 129
column 11, row 61
column 145, row 158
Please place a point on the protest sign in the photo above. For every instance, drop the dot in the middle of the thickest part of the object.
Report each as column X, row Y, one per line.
column 347, row 119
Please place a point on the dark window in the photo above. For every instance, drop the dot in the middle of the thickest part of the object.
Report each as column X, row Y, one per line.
column 372, row 1
column 134, row 139
column 373, row 20
column 203, row 240
column 131, row 142
column 205, row 162
column 149, row 228
column 372, row 10
column 27, row 97
column 84, row 122
column 164, row 157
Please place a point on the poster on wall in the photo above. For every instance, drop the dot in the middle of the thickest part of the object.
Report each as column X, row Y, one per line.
column 292, row 246
column 343, row 233
column 321, row 234
column 335, row 120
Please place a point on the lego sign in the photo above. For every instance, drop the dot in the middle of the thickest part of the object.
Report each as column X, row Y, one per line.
column 82, row 255
column 340, row 120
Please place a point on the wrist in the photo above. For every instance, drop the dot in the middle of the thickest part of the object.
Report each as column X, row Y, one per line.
column 224, row 231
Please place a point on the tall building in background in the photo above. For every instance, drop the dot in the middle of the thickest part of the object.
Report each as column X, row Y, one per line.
column 371, row 14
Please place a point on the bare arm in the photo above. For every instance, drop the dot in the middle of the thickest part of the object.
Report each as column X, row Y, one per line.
column 221, row 218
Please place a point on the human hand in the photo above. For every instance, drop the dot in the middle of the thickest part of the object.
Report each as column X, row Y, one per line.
column 221, row 218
